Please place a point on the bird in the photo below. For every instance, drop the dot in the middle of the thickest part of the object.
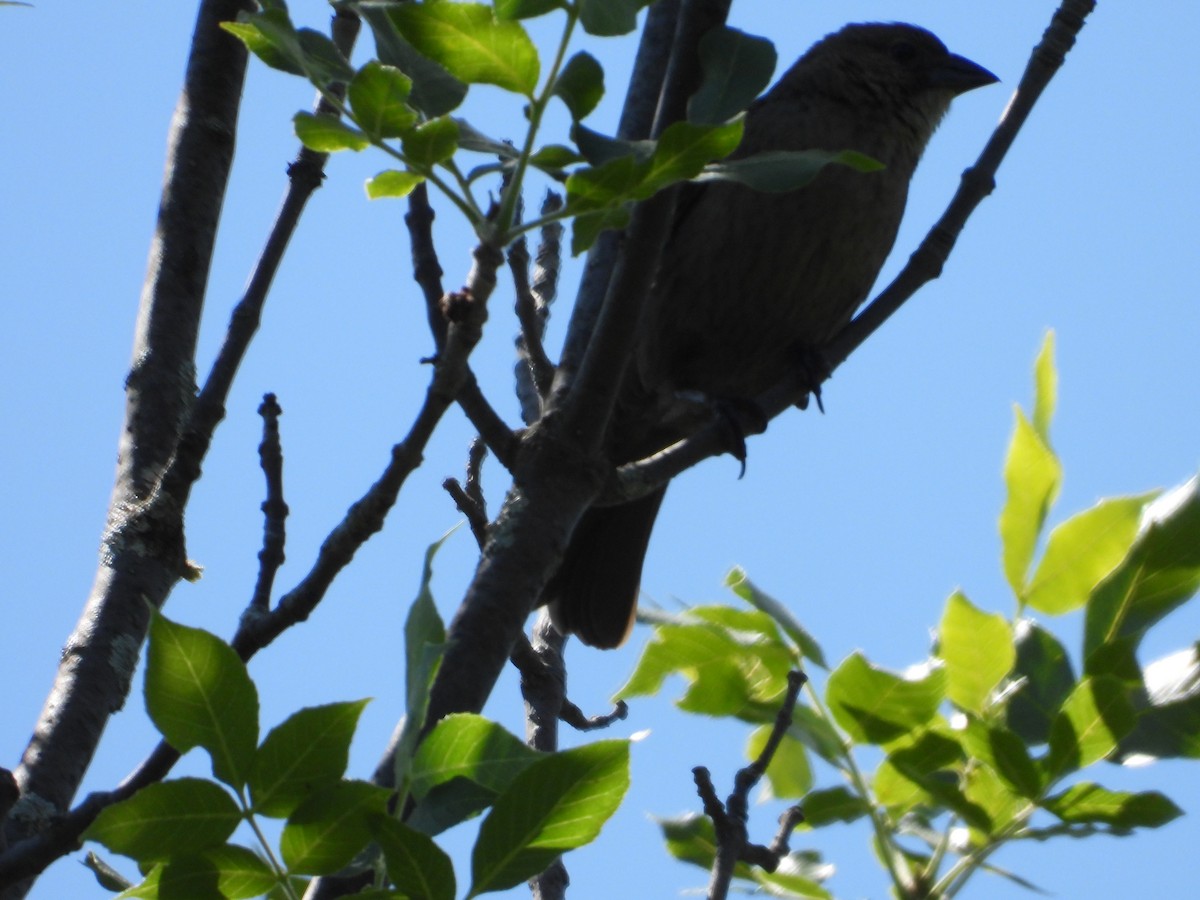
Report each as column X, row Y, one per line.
column 750, row 283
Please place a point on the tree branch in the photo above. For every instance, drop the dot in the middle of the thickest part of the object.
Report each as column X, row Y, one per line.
column 143, row 555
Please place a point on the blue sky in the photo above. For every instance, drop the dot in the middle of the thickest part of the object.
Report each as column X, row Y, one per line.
column 863, row 520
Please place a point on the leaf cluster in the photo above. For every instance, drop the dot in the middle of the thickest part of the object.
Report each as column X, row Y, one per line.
column 990, row 739
column 199, row 694
column 428, row 55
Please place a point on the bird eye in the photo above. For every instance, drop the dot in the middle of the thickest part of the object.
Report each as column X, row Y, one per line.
column 903, row 51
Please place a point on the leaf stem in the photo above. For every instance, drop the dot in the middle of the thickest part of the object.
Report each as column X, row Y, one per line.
column 537, row 108
column 894, row 861
column 281, row 873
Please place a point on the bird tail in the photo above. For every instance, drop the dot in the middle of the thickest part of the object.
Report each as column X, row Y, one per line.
column 594, row 593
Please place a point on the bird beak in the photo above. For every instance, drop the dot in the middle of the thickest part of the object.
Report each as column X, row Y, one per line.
column 958, row 74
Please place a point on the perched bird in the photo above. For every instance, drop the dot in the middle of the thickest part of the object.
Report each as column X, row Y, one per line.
column 749, row 281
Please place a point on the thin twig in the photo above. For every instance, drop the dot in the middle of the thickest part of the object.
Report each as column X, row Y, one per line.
column 466, row 504
column 730, row 818
column 428, row 273
column 275, row 510
column 548, row 260
column 475, row 458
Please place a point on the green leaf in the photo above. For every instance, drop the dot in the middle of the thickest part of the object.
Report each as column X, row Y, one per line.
column 690, row 838
column 392, row 183
column 1046, row 679
column 471, row 43
column 789, row 773
column 817, row 734
column 434, row 90
column 580, row 84
column 271, row 37
column 1032, row 474
column 241, row 873
column 984, row 790
column 1092, row 803
column 932, row 762
column 1116, row 658
column 739, row 582
column 1082, row 551
column 1093, row 719
column 106, row 876
column 1168, row 723
column 325, row 134
column 378, row 96
column 684, row 149
column 794, row 877
column 553, row 158
column 977, row 648
column 609, row 18
column 424, row 647
column 416, row 866
column 229, row 872
column 525, row 9
column 876, row 706
column 1160, row 573
column 1045, row 388
column 431, row 142
column 1006, row 754
column 557, row 804
column 186, row 815
column 450, row 802
column 307, row 751
column 322, row 61
column 613, row 182
column 585, row 228
column 782, row 171
column 736, row 67
column 188, row 877
column 199, row 694
column 331, row 827
column 600, row 148
column 830, row 805
column 469, row 746
column 729, row 674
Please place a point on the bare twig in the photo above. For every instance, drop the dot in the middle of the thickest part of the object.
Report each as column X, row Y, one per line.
column 730, row 818
column 466, row 504
column 275, row 510
column 428, row 273
column 534, row 370
column 475, row 458
column 548, row 261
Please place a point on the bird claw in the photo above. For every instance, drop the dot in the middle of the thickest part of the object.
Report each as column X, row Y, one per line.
column 736, row 418
column 813, row 370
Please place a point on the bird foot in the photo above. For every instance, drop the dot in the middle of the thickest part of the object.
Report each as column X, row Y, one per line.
column 738, row 417
column 812, row 370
